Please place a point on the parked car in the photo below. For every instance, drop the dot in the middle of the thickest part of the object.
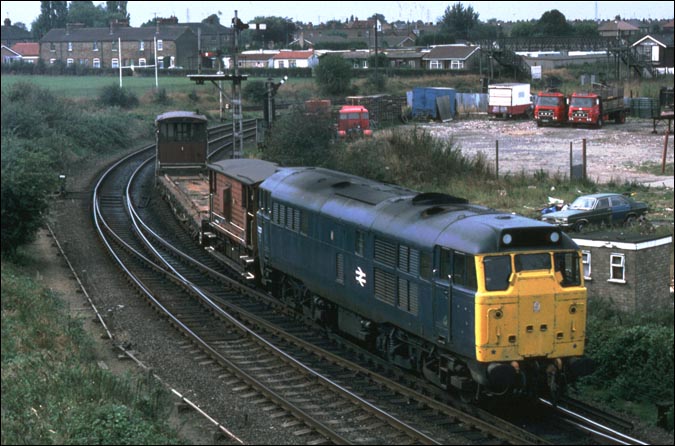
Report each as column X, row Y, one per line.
column 608, row 209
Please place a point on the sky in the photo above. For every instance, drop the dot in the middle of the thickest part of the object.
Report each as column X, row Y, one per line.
column 322, row 11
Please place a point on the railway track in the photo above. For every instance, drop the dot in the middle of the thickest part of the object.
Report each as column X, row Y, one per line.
column 264, row 352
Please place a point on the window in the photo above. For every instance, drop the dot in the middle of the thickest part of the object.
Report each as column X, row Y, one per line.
column 603, row 203
column 617, row 265
column 160, row 45
column 464, row 270
column 456, row 64
column 70, row 46
column 97, row 63
column 586, row 260
column 52, row 46
column 497, row 272
column 115, row 63
column 94, row 45
column 160, row 62
column 359, row 243
column 141, row 46
column 142, row 62
column 114, row 45
column 567, row 268
column 281, row 64
column 292, row 64
column 69, row 61
column 52, row 61
column 435, row 65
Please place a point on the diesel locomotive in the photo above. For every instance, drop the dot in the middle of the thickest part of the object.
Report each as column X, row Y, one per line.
column 473, row 299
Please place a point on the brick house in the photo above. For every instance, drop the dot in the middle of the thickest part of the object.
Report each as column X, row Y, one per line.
column 630, row 270
column 99, row 47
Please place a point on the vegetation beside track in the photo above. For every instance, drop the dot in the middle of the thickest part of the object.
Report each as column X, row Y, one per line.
column 53, row 391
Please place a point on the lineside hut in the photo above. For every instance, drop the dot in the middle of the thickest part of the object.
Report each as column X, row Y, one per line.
column 231, row 234
column 630, row 270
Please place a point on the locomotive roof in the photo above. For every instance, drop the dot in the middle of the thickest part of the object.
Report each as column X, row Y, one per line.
column 245, row 170
column 180, row 114
column 422, row 220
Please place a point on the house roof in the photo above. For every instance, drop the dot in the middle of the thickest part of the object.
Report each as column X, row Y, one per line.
column 27, row 49
column 617, row 25
column 293, row 55
column 11, row 32
column 447, row 52
column 7, row 50
column 255, row 56
column 171, row 32
column 664, row 40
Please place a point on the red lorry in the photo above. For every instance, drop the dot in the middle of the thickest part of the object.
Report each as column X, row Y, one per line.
column 353, row 121
column 595, row 107
column 551, row 108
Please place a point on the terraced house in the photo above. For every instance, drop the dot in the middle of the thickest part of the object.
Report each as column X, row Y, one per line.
column 174, row 46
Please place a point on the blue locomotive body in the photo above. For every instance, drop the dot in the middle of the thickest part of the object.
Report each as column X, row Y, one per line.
column 413, row 275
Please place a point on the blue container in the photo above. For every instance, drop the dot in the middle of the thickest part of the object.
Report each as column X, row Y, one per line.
column 424, row 101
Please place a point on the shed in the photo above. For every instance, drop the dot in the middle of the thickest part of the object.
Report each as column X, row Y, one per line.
column 436, row 102
column 630, row 270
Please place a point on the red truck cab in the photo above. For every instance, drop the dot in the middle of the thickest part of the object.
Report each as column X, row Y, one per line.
column 353, row 120
column 550, row 108
column 594, row 108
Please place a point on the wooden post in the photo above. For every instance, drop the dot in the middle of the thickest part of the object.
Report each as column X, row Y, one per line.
column 583, row 157
column 497, row 158
column 571, row 163
column 665, row 151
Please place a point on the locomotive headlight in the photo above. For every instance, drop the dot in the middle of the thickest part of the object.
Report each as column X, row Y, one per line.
column 554, row 237
column 507, row 239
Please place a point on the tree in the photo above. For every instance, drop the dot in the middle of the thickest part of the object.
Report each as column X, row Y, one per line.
column 333, row 74
column 524, row 29
column 279, row 30
column 213, row 19
column 553, row 23
column 117, row 10
column 52, row 15
column 86, row 12
column 458, row 21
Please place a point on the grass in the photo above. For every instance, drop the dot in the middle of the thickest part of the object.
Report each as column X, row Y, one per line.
column 53, row 392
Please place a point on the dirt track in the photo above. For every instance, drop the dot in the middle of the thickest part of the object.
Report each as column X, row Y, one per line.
column 613, row 153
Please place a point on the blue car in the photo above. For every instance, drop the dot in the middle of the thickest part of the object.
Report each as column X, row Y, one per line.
column 609, row 209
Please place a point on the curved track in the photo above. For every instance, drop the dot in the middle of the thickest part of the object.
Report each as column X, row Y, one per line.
column 298, row 368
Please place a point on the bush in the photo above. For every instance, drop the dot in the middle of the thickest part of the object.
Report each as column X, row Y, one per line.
column 334, row 75
column 41, row 136
column 115, row 96
column 634, row 355
column 310, row 146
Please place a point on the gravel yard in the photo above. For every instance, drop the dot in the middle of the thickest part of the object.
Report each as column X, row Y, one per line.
column 614, row 152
